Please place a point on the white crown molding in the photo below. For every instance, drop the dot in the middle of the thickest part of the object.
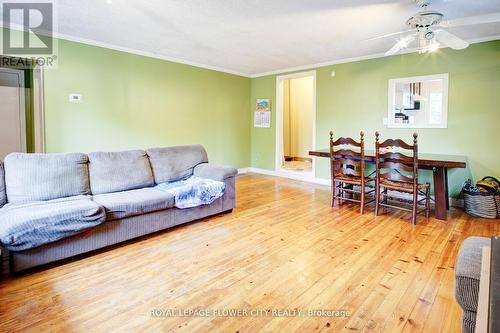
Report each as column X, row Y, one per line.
column 149, row 54
column 229, row 71
column 361, row 58
column 137, row 52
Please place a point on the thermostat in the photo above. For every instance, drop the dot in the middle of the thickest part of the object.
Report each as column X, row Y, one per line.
column 75, row 98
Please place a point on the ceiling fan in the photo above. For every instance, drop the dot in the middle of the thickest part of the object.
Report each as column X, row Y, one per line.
column 428, row 29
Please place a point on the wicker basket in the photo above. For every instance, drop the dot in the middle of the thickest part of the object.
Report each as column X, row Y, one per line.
column 482, row 204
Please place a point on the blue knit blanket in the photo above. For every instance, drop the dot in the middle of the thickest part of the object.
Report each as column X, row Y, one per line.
column 194, row 191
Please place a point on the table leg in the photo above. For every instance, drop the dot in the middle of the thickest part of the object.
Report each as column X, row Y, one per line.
column 446, row 188
column 440, row 193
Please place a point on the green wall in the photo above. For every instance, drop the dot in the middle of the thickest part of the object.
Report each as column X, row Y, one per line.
column 356, row 99
column 131, row 101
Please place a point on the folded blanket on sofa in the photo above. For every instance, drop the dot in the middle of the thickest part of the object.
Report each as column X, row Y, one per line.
column 194, row 191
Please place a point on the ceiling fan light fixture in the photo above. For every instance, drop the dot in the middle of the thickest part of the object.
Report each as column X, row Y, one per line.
column 424, row 20
column 433, row 47
column 429, row 30
column 429, row 35
column 430, row 47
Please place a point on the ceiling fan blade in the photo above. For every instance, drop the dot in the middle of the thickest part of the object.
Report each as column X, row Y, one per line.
column 471, row 20
column 450, row 39
column 390, row 35
column 401, row 44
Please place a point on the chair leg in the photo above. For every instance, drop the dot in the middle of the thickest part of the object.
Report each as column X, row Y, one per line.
column 386, row 200
column 377, row 199
column 428, row 202
column 332, row 203
column 341, row 193
column 415, row 207
column 362, row 209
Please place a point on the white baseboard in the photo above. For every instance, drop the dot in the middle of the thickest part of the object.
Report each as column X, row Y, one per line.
column 290, row 175
column 454, row 202
column 242, row 171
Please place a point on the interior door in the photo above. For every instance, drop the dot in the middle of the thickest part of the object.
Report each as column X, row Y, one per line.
column 12, row 112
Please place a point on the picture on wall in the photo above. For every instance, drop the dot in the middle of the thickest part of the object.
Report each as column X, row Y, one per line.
column 262, row 115
column 263, row 104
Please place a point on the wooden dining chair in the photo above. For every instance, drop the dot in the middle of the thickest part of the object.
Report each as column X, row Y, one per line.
column 348, row 170
column 397, row 172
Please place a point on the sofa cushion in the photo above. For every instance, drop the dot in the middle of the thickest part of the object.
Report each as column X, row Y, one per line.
column 468, row 272
column 3, row 196
column 119, row 171
column 119, row 205
column 28, row 225
column 175, row 163
column 38, row 177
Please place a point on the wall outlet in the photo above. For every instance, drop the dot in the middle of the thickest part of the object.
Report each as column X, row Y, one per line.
column 75, row 98
column 385, row 121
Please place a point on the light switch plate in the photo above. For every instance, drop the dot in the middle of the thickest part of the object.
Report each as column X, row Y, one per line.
column 75, row 98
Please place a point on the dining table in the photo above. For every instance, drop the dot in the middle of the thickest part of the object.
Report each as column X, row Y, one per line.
column 438, row 163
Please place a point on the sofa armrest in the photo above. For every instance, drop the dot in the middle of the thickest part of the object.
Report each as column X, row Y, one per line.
column 215, row 172
column 468, row 272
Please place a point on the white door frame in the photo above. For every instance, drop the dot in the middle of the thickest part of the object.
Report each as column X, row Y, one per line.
column 22, row 104
column 279, row 127
column 38, row 110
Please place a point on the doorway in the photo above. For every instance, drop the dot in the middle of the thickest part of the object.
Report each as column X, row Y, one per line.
column 13, row 112
column 296, row 122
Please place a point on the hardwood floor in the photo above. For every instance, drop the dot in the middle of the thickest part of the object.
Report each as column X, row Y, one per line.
column 283, row 247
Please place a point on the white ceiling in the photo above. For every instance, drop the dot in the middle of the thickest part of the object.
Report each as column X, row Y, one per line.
column 252, row 37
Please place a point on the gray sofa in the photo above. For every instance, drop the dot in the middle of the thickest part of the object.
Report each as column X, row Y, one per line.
column 467, row 276
column 96, row 200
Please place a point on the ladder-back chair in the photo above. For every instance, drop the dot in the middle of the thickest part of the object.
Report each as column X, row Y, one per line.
column 347, row 166
column 397, row 172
